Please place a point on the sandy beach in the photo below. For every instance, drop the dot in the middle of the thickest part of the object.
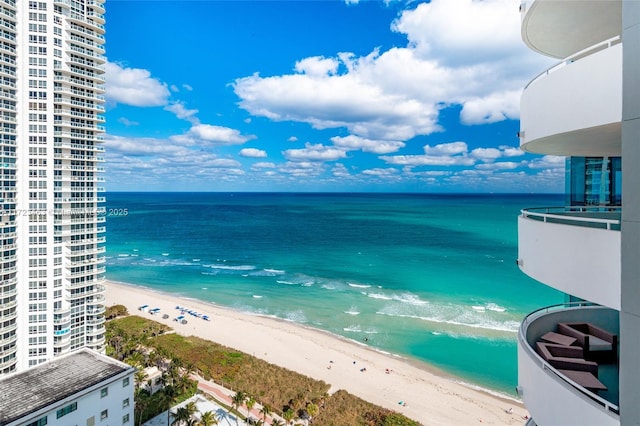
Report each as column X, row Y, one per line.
column 430, row 396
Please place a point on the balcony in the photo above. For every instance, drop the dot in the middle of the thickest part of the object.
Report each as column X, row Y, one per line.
column 550, row 396
column 573, row 249
column 575, row 107
column 561, row 28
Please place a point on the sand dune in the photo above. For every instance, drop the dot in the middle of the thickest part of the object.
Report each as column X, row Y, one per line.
column 431, row 397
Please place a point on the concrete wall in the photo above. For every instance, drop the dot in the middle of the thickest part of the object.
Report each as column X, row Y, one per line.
column 630, row 313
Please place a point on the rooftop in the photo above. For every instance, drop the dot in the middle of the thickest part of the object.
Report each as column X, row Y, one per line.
column 38, row 387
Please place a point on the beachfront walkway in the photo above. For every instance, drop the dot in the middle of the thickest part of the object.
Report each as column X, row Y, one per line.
column 203, row 405
column 225, row 395
column 219, row 393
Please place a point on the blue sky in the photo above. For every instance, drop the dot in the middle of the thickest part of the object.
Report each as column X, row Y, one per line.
column 319, row 96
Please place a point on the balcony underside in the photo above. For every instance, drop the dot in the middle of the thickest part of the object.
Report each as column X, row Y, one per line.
column 548, row 393
column 559, row 28
column 600, row 141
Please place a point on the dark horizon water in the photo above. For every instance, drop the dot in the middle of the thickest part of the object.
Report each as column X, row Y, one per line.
column 427, row 276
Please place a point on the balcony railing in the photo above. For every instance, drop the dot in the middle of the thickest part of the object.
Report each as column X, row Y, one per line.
column 604, row 217
column 536, row 396
column 575, row 57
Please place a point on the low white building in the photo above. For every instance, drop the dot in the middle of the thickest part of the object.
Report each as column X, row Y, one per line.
column 83, row 388
column 153, row 380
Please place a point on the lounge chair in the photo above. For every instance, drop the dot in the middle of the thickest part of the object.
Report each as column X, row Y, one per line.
column 597, row 343
column 566, row 357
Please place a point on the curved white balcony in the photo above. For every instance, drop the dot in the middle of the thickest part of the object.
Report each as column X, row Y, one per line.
column 551, row 397
column 575, row 107
column 561, row 28
column 575, row 250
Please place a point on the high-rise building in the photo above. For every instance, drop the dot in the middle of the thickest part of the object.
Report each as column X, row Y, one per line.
column 578, row 361
column 52, row 233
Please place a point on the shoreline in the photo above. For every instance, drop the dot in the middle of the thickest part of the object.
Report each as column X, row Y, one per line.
column 432, row 396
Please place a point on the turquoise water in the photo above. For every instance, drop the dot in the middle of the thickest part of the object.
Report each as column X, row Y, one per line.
column 431, row 277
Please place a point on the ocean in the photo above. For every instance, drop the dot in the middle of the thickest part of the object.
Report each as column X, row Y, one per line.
column 428, row 277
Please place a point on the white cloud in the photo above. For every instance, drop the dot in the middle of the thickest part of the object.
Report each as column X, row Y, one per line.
column 218, row 134
column 494, row 107
column 428, row 160
column 459, row 52
column 317, row 66
column 548, row 162
column 509, row 151
column 181, row 112
column 303, row 169
column 451, row 148
column 462, row 31
column 127, row 122
column 253, row 153
column 353, row 142
column 317, row 152
column 187, row 87
column 263, row 165
column 340, row 171
column 292, row 139
column 486, row 154
column 379, row 172
column 140, row 146
column 500, row 165
column 134, row 86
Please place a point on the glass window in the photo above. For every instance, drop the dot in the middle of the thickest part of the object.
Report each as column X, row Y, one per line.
column 66, row 410
column 104, row 392
column 104, row 414
column 125, row 418
column 125, row 382
column 39, row 422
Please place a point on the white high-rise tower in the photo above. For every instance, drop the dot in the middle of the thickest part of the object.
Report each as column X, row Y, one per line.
column 52, row 233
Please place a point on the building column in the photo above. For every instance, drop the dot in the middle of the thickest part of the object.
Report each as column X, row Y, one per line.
column 630, row 303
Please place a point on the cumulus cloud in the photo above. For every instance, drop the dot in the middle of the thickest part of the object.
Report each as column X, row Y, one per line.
column 452, row 154
column 182, row 112
column 317, row 66
column 379, row 172
column 451, row 148
column 486, row 154
column 548, row 162
column 446, row 154
column 353, row 142
column 253, row 153
column 263, row 165
column 509, row 151
column 134, row 86
column 458, row 52
column 492, row 108
column 217, row 135
column 462, row 31
column 314, row 152
column 500, row 165
column 127, row 122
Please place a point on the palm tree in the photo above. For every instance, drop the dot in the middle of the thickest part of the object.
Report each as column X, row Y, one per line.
column 288, row 415
column 141, row 403
column 139, row 378
column 191, row 407
column 237, row 400
column 181, row 416
column 209, row 418
column 250, row 402
column 312, row 409
column 136, row 359
column 265, row 411
column 277, row 422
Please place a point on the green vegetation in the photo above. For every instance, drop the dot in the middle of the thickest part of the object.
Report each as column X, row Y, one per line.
column 142, row 342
